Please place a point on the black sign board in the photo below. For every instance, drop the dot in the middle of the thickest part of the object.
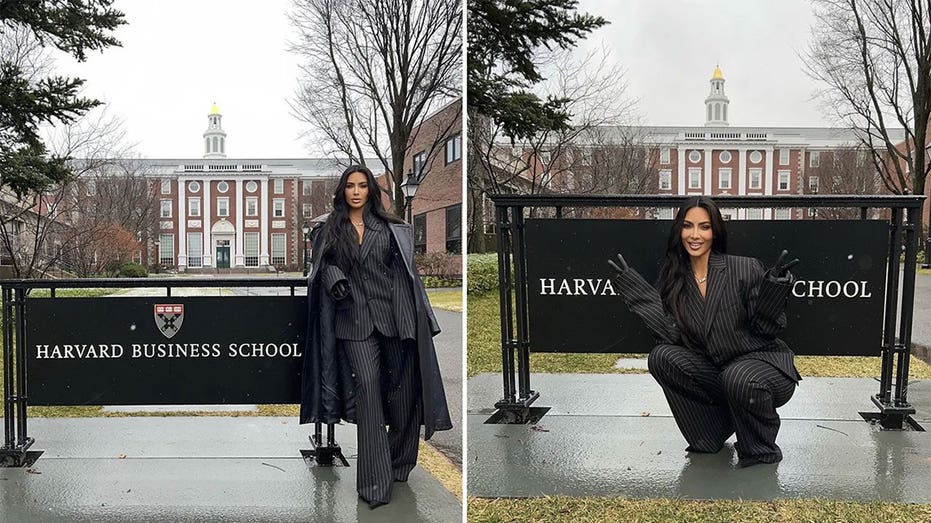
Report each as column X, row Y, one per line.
column 165, row 350
column 835, row 306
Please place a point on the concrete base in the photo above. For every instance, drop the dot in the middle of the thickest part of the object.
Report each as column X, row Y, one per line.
column 199, row 469
column 613, row 435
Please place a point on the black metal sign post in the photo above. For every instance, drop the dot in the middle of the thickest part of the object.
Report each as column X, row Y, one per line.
column 150, row 351
column 875, row 269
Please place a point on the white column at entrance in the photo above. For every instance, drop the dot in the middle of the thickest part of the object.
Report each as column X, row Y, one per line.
column 707, row 154
column 742, row 171
column 208, row 238
column 263, row 238
column 239, row 260
column 680, row 156
column 182, row 226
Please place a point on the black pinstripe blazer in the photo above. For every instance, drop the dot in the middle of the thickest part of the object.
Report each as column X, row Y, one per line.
column 740, row 317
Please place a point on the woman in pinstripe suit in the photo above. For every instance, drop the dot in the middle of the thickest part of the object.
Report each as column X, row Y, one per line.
column 369, row 315
column 716, row 318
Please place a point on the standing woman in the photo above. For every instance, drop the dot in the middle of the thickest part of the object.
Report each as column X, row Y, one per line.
column 716, row 318
column 370, row 358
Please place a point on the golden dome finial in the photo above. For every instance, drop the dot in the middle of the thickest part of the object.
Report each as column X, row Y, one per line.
column 214, row 109
column 718, row 75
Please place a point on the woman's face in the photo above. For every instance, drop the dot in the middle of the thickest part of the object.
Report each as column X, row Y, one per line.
column 357, row 190
column 696, row 232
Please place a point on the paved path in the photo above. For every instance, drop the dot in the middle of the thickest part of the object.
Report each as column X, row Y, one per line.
column 198, row 469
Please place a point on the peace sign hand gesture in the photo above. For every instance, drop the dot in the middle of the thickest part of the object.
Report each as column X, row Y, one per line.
column 780, row 270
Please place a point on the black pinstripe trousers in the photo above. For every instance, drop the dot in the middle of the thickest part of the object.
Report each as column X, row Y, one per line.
column 384, row 456
column 710, row 403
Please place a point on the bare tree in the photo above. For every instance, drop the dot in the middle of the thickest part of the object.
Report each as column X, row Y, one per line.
column 845, row 170
column 595, row 154
column 874, row 58
column 373, row 71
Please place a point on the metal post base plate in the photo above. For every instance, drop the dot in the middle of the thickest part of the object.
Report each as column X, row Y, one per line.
column 324, row 455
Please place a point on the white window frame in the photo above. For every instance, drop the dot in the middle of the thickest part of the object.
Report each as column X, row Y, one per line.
column 783, row 157
column 758, row 173
column 694, row 176
column 193, row 207
column 783, row 177
column 755, row 213
column 166, row 249
column 195, row 249
column 725, row 173
column 453, row 149
column 166, row 186
column 251, row 248
column 279, row 252
column 278, row 185
column 307, row 187
column 782, row 213
column 278, row 208
column 252, row 206
column 307, row 210
column 664, row 213
column 665, row 179
column 664, row 155
column 165, row 209
column 814, row 184
column 814, row 159
column 223, row 206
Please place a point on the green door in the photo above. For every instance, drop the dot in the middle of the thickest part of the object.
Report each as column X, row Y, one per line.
column 223, row 257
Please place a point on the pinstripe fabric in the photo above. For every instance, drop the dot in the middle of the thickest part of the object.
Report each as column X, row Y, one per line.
column 384, row 456
column 730, row 372
column 380, row 295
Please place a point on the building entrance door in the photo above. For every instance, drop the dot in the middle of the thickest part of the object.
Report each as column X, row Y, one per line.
column 223, row 257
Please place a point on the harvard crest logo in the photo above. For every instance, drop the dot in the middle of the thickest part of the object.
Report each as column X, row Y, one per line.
column 168, row 318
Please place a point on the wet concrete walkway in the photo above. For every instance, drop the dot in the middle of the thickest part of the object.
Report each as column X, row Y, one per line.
column 613, row 435
column 199, row 469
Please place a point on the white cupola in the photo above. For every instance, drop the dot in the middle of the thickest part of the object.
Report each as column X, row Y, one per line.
column 716, row 103
column 214, row 136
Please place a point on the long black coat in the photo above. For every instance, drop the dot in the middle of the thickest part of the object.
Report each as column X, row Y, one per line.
column 327, row 388
column 744, row 312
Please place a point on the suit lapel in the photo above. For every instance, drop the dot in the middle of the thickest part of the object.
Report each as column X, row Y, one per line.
column 372, row 228
column 717, row 284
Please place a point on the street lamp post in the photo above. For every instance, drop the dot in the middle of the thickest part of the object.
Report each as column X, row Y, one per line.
column 409, row 189
column 306, row 230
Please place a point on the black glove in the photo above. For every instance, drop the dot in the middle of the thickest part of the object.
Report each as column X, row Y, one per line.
column 620, row 265
column 340, row 289
column 780, row 270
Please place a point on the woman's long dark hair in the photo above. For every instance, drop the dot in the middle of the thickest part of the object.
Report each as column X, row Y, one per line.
column 340, row 238
column 676, row 270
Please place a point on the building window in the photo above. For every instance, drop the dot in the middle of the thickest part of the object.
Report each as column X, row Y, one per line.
column 420, row 159
column 308, row 187
column 278, row 185
column 91, row 187
column 783, row 157
column 756, row 157
column 193, row 186
column 251, row 186
column 252, row 206
column 724, row 156
column 307, row 210
column 756, row 178
column 223, row 206
column 813, row 184
column 278, row 208
column 420, row 233
column 664, row 214
column 453, row 149
column 166, row 186
column 166, row 208
column 278, row 248
column 754, row 214
column 251, row 248
column 783, row 214
column 223, row 187
column 454, row 229
column 195, row 249
column 814, row 160
column 193, row 207
column 783, row 180
column 664, row 155
column 665, row 179
column 694, row 178
column 166, row 249
column 694, row 156
column 724, row 178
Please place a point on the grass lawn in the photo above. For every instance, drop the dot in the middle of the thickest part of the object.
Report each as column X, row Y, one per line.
column 484, row 355
column 446, row 299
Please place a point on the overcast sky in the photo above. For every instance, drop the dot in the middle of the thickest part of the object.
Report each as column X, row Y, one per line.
column 178, row 57
column 669, row 50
